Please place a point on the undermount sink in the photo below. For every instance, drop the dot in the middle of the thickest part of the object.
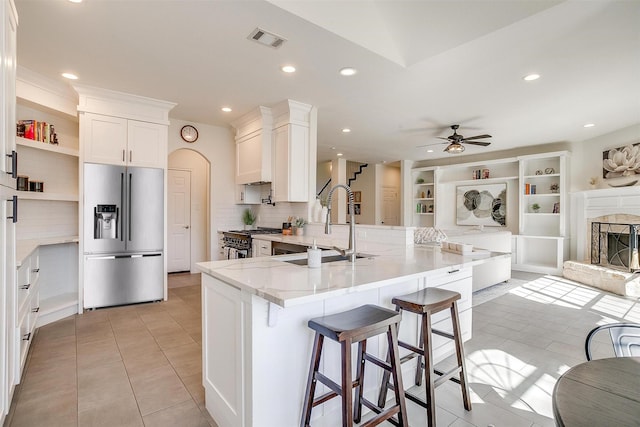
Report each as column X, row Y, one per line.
column 329, row 258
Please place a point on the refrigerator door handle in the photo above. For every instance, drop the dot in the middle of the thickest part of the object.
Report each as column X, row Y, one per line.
column 124, row 256
column 122, row 207
column 129, row 207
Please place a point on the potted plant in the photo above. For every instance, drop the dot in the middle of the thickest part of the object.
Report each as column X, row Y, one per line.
column 535, row 207
column 248, row 218
column 554, row 188
column 298, row 225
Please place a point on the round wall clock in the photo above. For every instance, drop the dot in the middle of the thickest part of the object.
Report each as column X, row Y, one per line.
column 189, row 133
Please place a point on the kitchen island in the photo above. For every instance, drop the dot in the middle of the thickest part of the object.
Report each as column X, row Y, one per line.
column 256, row 343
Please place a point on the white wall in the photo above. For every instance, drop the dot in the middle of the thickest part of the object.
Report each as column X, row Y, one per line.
column 586, row 160
column 366, row 184
column 217, row 145
column 187, row 159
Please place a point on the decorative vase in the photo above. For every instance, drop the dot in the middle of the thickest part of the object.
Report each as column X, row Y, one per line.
column 299, row 231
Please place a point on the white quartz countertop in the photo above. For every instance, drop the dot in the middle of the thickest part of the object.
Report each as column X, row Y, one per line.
column 286, row 284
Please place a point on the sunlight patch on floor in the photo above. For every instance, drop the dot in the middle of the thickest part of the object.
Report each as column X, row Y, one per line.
column 548, row 290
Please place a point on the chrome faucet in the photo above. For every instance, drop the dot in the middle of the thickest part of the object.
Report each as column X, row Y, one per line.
column 351, row 251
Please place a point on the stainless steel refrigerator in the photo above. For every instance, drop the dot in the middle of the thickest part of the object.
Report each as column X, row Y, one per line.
column 123, row 235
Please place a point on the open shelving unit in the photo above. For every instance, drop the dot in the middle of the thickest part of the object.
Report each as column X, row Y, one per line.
column 539, row 239
column 49, row 219
column 542, row 244
column 424, row 197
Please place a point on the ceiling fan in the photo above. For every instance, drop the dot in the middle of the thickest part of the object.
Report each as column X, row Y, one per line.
column 456, row 140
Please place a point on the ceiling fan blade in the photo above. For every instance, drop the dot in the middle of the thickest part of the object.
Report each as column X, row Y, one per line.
column 478, row 137
column 446, row 139
column 484, row 144
column 429, row 145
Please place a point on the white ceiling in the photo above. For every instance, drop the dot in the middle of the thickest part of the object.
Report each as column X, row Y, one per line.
column 422, row 65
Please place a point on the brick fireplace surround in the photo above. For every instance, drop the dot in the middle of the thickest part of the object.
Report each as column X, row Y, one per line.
column 613, row 205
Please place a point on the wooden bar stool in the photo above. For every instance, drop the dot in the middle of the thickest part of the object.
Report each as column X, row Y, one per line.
column 426, row 303
column 355, row 326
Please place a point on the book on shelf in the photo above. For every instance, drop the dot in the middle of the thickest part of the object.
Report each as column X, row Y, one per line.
column 37, row 131
column 527, row 189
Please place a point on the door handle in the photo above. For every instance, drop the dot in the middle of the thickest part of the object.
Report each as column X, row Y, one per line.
column 14, row 164
column 14, row 212
column 186, row 227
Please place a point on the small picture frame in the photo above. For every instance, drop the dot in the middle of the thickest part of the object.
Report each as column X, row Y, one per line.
column 556, row 207
column 357, row 196
column 356, row 209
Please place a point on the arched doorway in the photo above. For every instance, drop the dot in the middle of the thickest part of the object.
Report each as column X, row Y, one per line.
column 187, row 210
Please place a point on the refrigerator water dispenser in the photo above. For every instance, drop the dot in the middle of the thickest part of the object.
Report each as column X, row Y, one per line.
column 105, row 222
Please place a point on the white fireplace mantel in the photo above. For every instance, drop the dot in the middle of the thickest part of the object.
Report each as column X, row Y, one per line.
column 595, row 203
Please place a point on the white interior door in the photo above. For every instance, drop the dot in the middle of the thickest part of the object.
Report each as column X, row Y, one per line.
column 390, row 206
column 179, row 221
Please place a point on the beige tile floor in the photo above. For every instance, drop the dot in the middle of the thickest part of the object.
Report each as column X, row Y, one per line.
column 137, row 365
column 140, row 365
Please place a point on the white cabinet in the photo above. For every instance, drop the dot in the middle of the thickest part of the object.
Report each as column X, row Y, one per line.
column 28, row 291
column 274, row 145
column 253, row 146
column 260, row 248
column 118, row 141
column 8, row 26
column 291, row 163
column 293, row 122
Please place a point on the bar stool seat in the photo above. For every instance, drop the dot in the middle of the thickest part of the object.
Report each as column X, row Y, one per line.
column 426, row 303
column 355, row 326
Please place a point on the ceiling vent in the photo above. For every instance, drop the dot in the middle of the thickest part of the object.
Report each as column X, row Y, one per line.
column 266, row 38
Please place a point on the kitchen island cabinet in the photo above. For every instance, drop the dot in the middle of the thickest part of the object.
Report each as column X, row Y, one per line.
column 256, row 343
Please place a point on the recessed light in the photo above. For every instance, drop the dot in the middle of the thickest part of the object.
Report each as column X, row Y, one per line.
column 339, row 154
column 333, row 148
column 531, row 77
column 429, row 151
column 70, row 76
column 346, row 130
column 226, row 109
column 348, row 71
column 289, row 69
column 589, row 125
column 75, row 1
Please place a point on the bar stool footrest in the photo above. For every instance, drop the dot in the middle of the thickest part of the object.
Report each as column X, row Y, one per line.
column 381, row 415
column 442, row 334
column 450, row 378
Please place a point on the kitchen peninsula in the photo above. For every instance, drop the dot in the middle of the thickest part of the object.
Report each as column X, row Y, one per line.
column 256, row 343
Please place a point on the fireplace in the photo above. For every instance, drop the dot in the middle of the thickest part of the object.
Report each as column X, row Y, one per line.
column 615, row 245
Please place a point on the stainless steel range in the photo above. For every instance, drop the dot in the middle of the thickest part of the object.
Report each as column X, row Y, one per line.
column 237, row 243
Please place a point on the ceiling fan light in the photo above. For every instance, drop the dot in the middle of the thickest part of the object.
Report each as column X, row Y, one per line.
column 454, row 148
